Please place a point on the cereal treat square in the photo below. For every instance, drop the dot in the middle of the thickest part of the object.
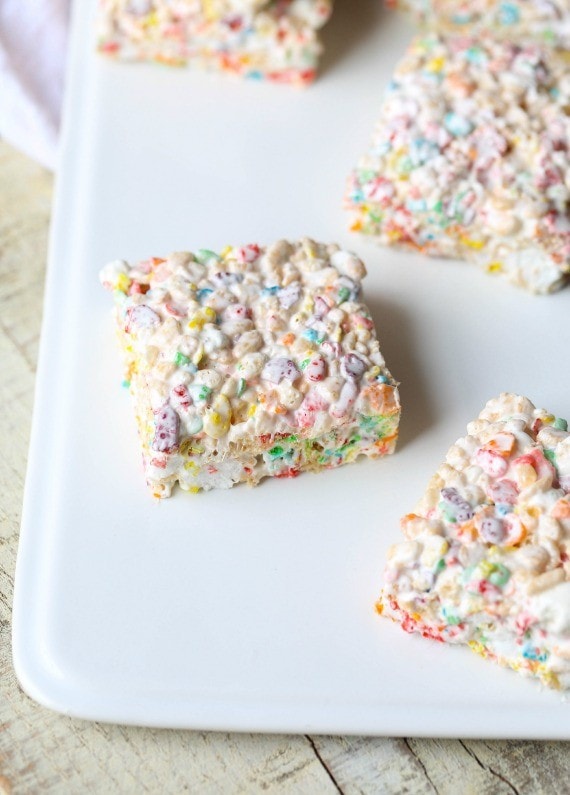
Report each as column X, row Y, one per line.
column 486, row 562
column 546, row 21
column 275, row 40
column 251, row 363
column 470, row 159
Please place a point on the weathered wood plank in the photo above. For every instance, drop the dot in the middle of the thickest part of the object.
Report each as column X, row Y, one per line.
column 374, row 765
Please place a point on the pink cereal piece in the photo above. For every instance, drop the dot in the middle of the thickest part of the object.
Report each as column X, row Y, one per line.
column 321, row 307
column 248, row 253
column 524, row 622
column 279, row 368
column 174, row 310
column 537, row 425
column 167, row 427
column 305, row 418
column 237, row 312
column 493, row 464
column 515, row 530
column 141, row 316
column 316, row 370
column 135, row 288
column 180, row 397
column 504, row 492
column 346, row 399
column 161, row 272
column 536, row 459
column 363, row 322
column 306, row 414
column 334, row 348
column 380, row 190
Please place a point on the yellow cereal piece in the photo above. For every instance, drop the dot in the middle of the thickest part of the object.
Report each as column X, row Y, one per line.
column 209, row 10
column 486, row 568
column 476, row 245
column 436, row 64
column 526, row 475
column 189, row 447
column 123, row 282
column 477, row 647
column 198, row 355
column 494, row 267
column 151, row 20
column 204, row 315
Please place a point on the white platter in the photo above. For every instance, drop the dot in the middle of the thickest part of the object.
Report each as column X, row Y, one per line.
column 251, row 609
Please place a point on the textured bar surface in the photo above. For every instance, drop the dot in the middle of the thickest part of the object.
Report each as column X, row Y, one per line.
column 470, row 159
column 487, row 557
column 546, row 21
column 275, row 40
column 251, row 363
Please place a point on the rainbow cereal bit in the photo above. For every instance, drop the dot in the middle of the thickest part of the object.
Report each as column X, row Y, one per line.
column 547, row 21
column 470, row 159
column 252, row 363
column 486, row 562
column 275, row 40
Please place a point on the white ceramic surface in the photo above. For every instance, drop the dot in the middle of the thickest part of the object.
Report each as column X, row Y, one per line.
column 251, row 609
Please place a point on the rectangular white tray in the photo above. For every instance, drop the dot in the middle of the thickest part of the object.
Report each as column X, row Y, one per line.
column 251, row 609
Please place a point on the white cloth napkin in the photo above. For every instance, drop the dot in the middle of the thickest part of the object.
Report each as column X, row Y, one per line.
column 33, row 43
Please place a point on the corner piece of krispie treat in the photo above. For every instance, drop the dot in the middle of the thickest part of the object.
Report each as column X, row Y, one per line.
column 261, row 39
column 470, row 159
column 251, row 363
column 546, row 21
column 486, row 562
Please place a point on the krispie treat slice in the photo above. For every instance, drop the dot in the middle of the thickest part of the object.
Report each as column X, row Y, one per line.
column 547, row 21
column 276, row 40
column 470, row 159
column 486, row 562
column 251, row 363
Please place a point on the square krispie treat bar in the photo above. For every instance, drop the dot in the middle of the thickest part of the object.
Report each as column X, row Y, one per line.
column 547, row 21
column 251, row 363
column 470, row 159
column 486, row 562
column 272, row 39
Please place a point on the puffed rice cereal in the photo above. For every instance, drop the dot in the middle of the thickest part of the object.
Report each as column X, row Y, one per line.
column 260, row 39
column 470, row 159
column 547, row 21
column 486, row 560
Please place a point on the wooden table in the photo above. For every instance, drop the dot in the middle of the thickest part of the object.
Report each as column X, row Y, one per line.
column 42, row 752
